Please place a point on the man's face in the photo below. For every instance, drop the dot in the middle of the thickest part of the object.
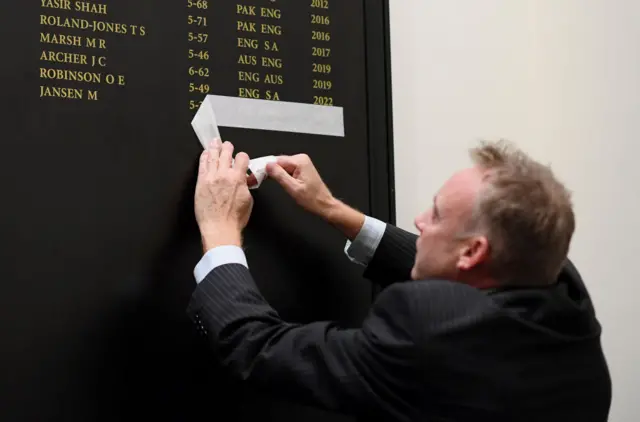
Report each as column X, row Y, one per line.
column 441, row 253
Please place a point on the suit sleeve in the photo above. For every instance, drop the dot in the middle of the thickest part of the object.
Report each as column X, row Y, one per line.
column 321, row 364
column 393, row 258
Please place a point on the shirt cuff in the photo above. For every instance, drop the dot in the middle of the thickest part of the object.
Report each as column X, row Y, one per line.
column 218, row 256
column 364, row 246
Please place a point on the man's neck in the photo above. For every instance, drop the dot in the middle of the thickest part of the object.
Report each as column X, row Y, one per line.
column 481, row 283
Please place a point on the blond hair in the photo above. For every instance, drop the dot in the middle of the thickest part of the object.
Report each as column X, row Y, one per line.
column 526, row 214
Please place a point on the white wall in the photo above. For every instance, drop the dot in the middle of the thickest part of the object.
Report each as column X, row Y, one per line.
column 562, row 79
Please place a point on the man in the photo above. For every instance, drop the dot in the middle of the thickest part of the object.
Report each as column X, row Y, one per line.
column 482, row 318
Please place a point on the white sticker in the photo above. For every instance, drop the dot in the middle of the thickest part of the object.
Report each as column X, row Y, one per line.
column 206, row 129
column 283, row 116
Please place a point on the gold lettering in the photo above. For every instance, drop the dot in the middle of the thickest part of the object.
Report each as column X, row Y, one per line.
column 70, row 75
column 111, row 27
column 325, row 101
column 245, row 10
column 57, row 4
column 98, row 61
column 246, row 59
column 246, row 26
column 60, row 39
column 270, row 12
column 319, row 84
column 138, row 30
column 249, row 93
column 96, row 43
column 271, row 46
column 247, row 43
column 320, row 4
column 272, row 62
column 321, row 52
column 95, row 26
column 92, row 95
column 66, row 93
column 248, row 76
column 273, row 79
column 83, row 6
column 272, row 96
column 59, row 57
column 74, row 23
column 267, row 28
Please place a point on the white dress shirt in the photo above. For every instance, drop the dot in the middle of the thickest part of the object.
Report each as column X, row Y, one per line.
column 360, row 251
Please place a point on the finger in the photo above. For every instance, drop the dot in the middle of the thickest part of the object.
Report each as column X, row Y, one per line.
column 288, row 163
column 226, row 156
column 242, row 163
column 214, row 155
column 280, row 175
column 204, row 162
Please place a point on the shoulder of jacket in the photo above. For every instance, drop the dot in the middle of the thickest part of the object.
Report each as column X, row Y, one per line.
column 437, row 286
column 442, row 298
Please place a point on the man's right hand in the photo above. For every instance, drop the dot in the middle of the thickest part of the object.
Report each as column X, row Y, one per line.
column 300, row 179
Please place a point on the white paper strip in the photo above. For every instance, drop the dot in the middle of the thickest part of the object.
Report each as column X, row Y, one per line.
column 206, row 129
column 248, row 113
column 205, row 125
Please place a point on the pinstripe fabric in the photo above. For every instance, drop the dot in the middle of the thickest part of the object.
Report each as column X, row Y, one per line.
column 322, row 364
column 428, row 350
column 393, row 258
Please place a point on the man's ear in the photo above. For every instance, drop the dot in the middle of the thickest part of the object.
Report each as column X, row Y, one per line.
column 474, row 252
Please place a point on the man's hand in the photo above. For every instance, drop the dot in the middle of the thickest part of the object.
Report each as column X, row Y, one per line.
column 223, row 203
column 300, row 179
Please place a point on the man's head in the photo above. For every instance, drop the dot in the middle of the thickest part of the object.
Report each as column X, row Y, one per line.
column 506, row 220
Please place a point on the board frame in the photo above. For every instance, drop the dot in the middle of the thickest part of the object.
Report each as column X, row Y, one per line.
column 379, row 110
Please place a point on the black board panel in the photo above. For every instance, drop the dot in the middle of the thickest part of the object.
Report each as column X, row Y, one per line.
column 97, row 170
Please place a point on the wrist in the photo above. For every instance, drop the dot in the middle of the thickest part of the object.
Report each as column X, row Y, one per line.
column 212, row 238
column 345, row 218
column 331, row 209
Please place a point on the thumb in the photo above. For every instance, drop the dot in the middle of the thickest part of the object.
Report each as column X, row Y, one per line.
column 281, row 176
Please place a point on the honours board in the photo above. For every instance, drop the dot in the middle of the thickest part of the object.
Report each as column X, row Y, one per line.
column 98, row 167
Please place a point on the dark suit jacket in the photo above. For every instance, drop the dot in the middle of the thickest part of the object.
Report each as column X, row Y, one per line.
column 428, row 350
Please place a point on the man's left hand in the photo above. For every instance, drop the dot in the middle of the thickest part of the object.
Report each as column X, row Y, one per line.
column 223, row 203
